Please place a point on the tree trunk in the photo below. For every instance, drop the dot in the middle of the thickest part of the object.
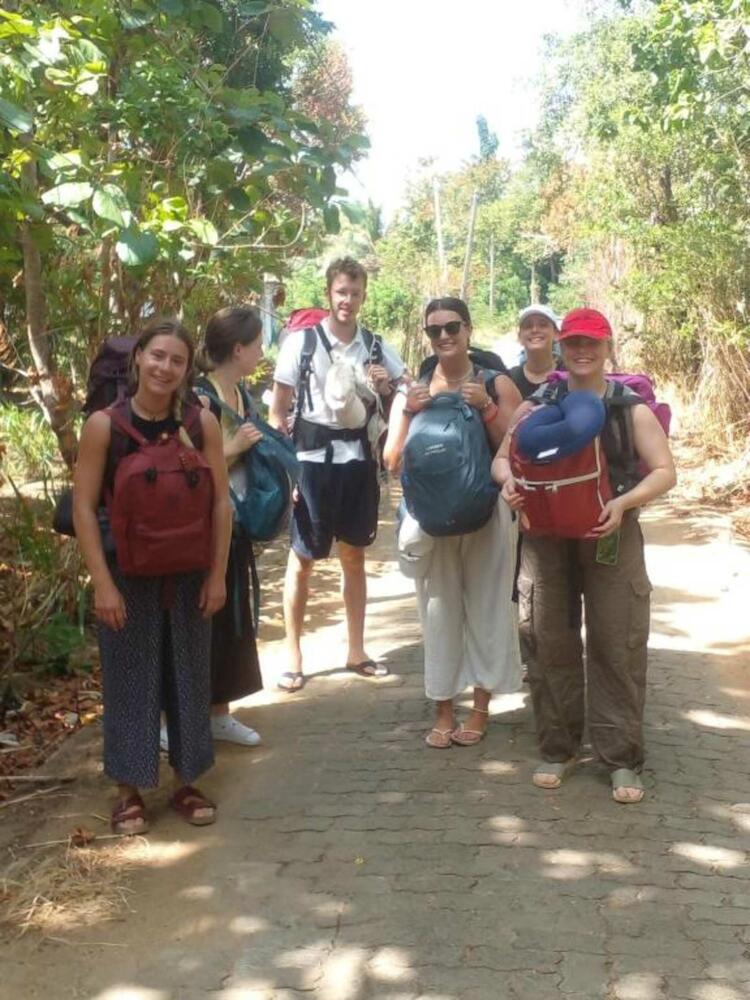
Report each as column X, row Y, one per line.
column 52, row 390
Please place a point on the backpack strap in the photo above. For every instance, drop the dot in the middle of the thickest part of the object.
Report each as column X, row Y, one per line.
column 549, row 392
column 123, row 424
column 374, row 344
column 309, row 343
column 191, row 421
column 618, row 437
column 204, row 387
column 218, row 404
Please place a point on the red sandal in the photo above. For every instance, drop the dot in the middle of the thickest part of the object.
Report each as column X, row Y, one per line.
column 129, row 810
column 187, row 801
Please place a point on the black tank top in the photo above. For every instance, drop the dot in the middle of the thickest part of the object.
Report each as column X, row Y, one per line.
column 151, row 429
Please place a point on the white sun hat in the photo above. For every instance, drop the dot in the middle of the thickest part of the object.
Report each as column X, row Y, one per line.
column 540, row 310
column 342, row 397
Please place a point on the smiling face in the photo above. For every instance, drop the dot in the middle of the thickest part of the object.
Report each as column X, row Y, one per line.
column 346, row 296
column 447, row 343
column 537, row 334
column 162, row 365
column 585, row 356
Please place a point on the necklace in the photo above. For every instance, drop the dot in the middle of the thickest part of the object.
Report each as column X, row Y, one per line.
column 456, row 381
column 142, row 412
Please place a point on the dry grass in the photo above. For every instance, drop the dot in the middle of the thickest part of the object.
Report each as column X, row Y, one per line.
column 62, row 891
column 713, row 468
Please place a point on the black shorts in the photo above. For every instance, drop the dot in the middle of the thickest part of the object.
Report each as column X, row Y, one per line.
column 335, row 501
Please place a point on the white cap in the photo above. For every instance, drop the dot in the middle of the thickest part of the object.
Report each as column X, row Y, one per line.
column 540, row 310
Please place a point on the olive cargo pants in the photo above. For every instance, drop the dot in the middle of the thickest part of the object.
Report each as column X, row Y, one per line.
column 610, row 692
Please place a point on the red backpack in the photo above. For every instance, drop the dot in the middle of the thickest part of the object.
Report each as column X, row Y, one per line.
column 563, row 498
column 160, row 500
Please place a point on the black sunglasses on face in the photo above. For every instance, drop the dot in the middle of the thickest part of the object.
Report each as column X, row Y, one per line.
column 433, row 330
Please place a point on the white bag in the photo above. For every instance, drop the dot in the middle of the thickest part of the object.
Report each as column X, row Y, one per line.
column 414, row 548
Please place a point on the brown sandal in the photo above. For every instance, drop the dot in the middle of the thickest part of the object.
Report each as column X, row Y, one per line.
column 129, row 810
column 187, row 801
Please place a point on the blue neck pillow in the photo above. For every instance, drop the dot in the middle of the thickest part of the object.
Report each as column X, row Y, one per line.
column 561, row 428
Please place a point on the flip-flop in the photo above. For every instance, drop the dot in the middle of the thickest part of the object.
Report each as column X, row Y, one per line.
column 296, row 682
column 464, row 737
column 368, row 668
column 439, row 739
column 557, row 770
column 623, row 778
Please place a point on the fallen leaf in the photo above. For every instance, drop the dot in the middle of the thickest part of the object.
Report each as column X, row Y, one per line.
column 80, row 837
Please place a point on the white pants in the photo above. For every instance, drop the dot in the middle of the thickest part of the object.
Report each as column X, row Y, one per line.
column 469, row 621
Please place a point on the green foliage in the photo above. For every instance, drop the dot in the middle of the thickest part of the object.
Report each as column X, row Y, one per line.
column 161, row 152
column 43, row 589
column 31, row 451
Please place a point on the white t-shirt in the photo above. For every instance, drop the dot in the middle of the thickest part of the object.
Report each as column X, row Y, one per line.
column 356, row 354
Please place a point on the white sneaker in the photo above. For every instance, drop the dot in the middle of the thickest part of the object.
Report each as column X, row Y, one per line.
column 229, row 729
column 164, row 739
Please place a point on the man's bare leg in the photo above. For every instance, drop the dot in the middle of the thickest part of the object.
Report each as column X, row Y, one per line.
column 296, row 590
column 354, row 592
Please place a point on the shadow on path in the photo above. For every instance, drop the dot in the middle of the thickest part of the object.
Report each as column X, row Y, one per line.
column 351, row 862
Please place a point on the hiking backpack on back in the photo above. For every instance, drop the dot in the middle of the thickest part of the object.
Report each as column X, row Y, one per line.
column 637, row 382
column 107, row 385
column 108, row 375
column 445, row 475
column 160, row 500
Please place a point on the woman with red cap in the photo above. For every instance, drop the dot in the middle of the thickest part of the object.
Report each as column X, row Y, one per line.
column 608, row 571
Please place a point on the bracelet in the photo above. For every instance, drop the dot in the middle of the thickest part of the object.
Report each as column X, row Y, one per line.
column 489, row 413
column 409, row 413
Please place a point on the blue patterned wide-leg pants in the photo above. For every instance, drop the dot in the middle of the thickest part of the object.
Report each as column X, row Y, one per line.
column 159, row 660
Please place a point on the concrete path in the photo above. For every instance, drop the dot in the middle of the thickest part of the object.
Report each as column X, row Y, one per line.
column 352, row 862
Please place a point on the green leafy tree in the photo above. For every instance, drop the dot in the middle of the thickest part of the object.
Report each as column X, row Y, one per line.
column 153, row 158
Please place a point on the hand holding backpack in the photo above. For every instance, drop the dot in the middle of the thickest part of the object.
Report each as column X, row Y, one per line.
column 448, row 488
column 560, row 466
column 271, row 469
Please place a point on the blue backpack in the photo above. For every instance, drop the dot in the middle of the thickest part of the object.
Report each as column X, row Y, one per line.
column 445, row 475
column 271, row 467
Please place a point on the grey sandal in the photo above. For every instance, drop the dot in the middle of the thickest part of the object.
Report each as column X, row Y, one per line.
column 624, row 779
column 557, row 771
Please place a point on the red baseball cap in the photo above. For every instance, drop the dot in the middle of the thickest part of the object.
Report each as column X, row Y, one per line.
column 585, row 323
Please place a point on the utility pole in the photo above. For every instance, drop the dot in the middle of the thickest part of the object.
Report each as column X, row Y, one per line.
column 469, row 242
column 442, row 270
column 492, row 274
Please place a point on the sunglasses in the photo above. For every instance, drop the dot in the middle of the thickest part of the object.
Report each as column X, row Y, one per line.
column 433, row 330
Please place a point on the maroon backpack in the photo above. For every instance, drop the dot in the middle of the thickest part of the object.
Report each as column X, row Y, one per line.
column 160, row 501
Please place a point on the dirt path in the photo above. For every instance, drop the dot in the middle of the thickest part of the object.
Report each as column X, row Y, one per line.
column 351, row 862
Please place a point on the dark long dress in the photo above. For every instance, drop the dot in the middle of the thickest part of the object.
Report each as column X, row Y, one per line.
column 235, row 668
column 158, row 661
